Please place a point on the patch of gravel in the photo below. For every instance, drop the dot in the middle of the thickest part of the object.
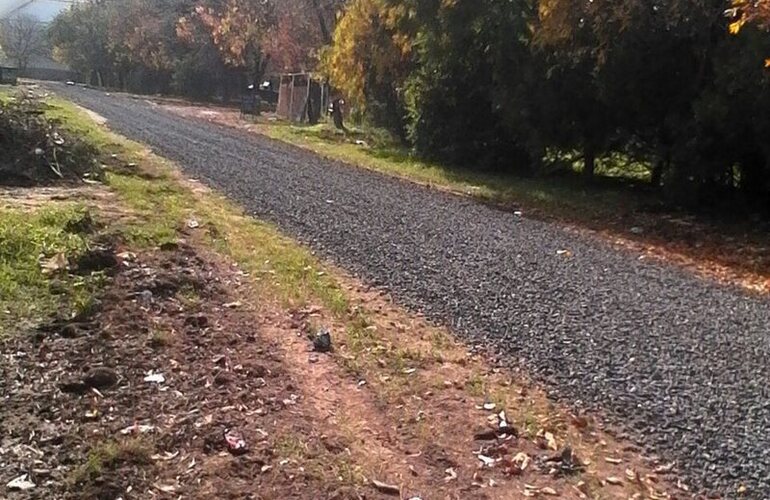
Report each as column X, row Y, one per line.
column 680, row 362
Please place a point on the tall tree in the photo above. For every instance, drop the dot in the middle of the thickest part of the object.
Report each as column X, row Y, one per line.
column 237, row 28
column 22, row 37
column 81, row 38
column 369, row 62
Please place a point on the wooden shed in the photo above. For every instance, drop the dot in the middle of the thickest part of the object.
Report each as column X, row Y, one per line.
column 302, row 98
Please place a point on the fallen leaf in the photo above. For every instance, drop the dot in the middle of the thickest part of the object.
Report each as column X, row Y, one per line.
column 451, row 475
column 551, row 441
column 166, row 456
column 21, row 483
column 137, row 429
column 166, row 488
column 127, row 256
column 154, row 378
column 54, row 264
column 487, row 461
column 549, row 491
column 616, row 481
column 522, row 460
column 388, row 489
column 232, row 305
column 611, row 460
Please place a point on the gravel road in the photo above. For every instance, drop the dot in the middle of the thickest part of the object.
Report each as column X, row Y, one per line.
column 682, row 363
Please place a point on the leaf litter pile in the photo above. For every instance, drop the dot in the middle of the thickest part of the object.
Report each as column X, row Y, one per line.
column 37, row 151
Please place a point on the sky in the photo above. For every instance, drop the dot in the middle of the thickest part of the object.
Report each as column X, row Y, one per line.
column 45, row 10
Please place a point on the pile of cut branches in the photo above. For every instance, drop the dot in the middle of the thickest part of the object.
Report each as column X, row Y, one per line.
column 34, row 150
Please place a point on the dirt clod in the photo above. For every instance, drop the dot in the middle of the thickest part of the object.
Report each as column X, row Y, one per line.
column 100, row 377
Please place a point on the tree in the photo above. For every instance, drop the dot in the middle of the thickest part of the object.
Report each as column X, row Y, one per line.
column 301, row 29
column 471, row 60
column 237, row 28
column 369, row 61
column 749, row 12
column 22, row 37
column 81, row 38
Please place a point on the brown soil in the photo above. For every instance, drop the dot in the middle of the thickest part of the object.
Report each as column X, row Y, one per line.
column 404, row 409
column 735, row 253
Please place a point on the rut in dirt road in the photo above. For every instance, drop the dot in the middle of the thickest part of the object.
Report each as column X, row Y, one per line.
column 680, row 362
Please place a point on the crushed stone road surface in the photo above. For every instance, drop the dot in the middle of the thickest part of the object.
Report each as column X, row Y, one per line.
column 682, row 363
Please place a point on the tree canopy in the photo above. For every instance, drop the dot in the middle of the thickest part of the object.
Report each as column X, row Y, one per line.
column 679, row 86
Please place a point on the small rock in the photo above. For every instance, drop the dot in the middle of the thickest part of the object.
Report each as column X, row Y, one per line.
column 323, row 341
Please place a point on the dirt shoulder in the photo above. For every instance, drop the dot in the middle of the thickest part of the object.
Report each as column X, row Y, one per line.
column 732, row 253
column 137, row 401
column 204, row 370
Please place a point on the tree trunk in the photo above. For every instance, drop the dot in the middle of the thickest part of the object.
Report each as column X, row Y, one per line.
column 589, row 163
column 325, row 34
column 657, row 172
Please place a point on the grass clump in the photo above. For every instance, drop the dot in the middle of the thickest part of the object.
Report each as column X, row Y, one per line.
column 35, row 248
column 109, row 456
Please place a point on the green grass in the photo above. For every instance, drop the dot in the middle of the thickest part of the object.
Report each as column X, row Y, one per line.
column 560, row 196
column 165, row 202
column 109, row 455
column 26, row 240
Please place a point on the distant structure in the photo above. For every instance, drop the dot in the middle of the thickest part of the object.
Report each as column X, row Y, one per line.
column 8, row 74
column 302, row 98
